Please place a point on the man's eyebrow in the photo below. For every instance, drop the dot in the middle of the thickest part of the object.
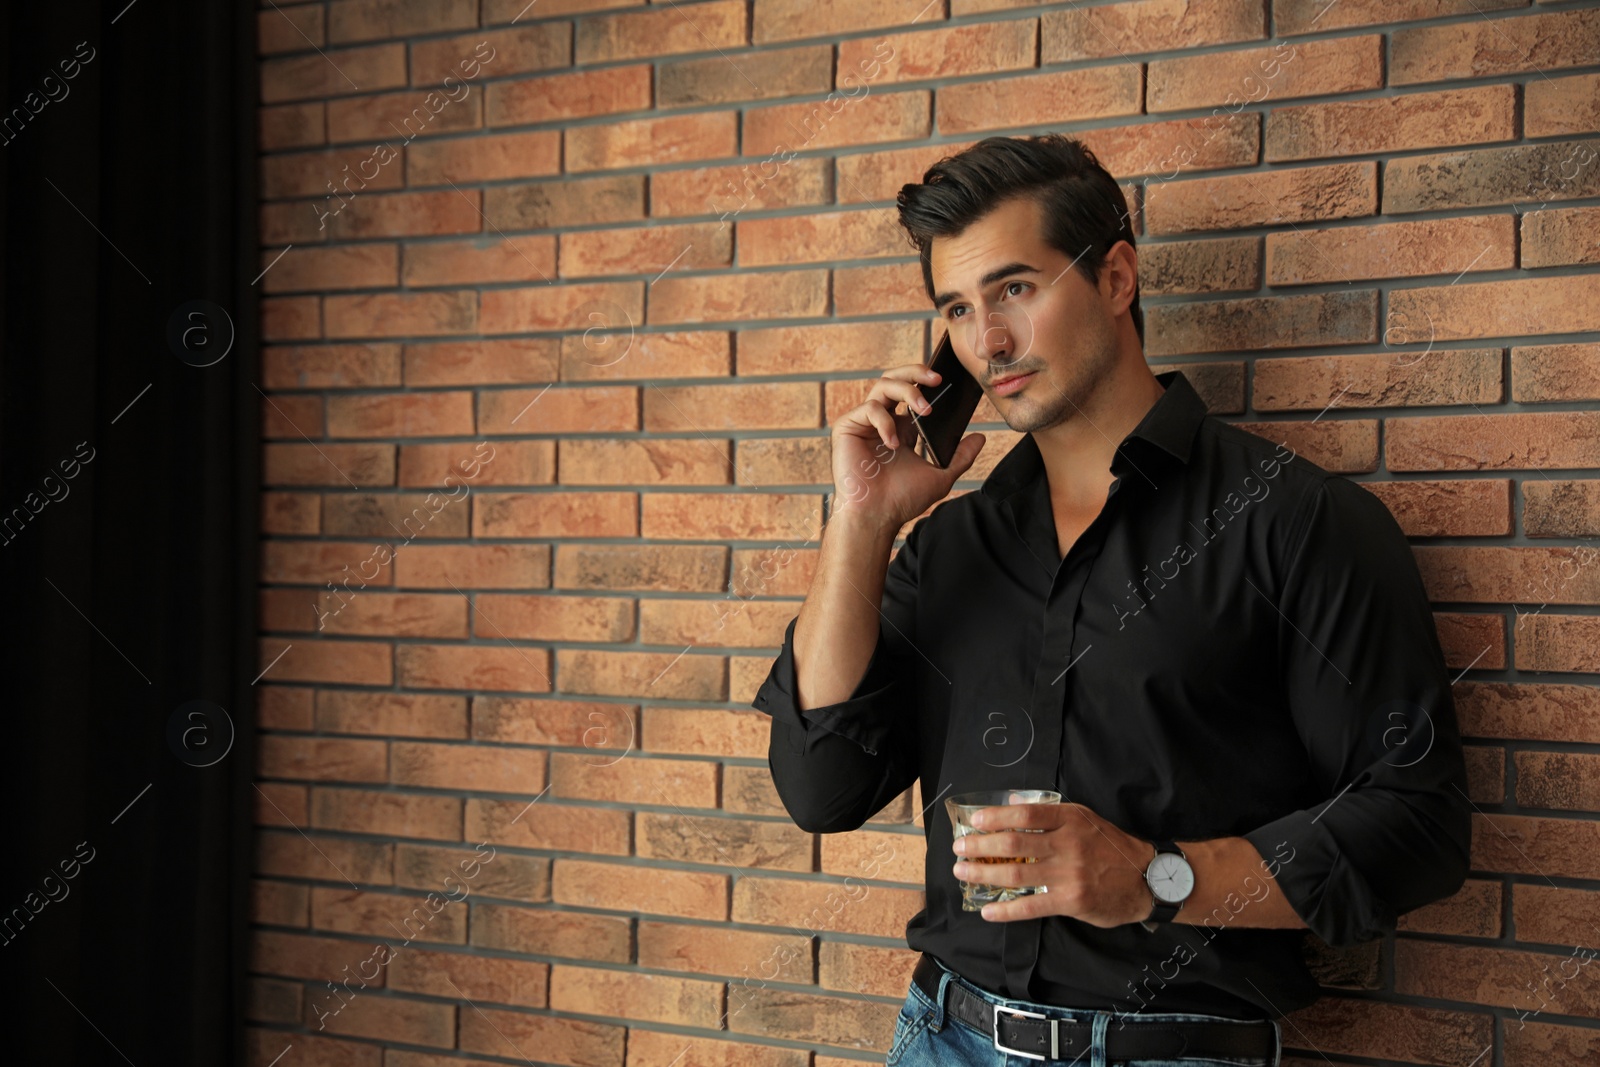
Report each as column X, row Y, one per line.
column 988, row 279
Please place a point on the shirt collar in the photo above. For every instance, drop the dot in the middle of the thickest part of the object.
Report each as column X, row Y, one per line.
column 1169, row 425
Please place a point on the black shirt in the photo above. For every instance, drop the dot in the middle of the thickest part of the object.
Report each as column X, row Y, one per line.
column 1239, row 645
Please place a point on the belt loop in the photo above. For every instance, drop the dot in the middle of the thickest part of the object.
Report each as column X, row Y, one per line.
column 938, row 1001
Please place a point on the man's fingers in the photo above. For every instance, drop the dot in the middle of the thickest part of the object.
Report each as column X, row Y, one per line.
column 1022, row 816
column 1004, row 844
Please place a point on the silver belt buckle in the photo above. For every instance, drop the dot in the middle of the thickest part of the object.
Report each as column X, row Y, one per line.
column 1055, row 1034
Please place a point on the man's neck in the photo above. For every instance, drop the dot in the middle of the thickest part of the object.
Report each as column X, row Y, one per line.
column 1077, row 452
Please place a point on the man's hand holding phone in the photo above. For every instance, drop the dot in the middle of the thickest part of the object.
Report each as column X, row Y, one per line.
column 878, row 477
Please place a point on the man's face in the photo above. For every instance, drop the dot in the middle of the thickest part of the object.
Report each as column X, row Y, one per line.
column 1014, row 306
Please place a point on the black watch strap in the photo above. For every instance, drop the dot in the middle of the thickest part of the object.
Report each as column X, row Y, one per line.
column 1163, row 911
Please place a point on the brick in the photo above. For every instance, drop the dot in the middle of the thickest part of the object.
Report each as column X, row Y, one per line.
column 1392, row 250
column 1295, row 195
column 344, row 662
column 875, row 854
column 345, row 267
column 391, row 1019
column 647, row 890
column 836, row 122
column 553, row 618
column 591, row 409
column 1493, row 442
column 433, row 918
column 432, row 414
column 539, row 932
column 669, row 462
column 719, row 24
column 1548, row 642
column 707, row 516
column 401, row 314
column 868, row 969
column 609, row 730
column 1486, row 774
column 739, row 296
column 350, row 366
column 370, row 811
column 398, row 118
column 479, row 566
column 781, row 571
column 1472, row 911
column 291, row 318
column 282, row 707
column 279, row 804
column 563, row 1041
column 727, row 622
column 458, row 976
column 785, row 461
column 713, row 408
column 1561, row 107
column 483, row 870
column 1359, row 1027
column 1522, row 844
column 488, row 463
column 450, row 211
column 612, row 356
column 647, row 250
column 1347, row 317
column 1538, row 1044
column 1549, row 914
column 879, row 289
column 366, row 20
column 322, row 759
column 1566, row 780
column 1281, row 72
column 1487, row 48
column 1561, row 238
column 565, row 514
column 650, row 1048
column 456, row 666
column 660, row 568
column 1521, row 981
column 559, row 97
column 974, row 48
column 1509, row 574
column 722, row 80
column 745, row 954
column 492, row 53
column 1472, row 639
column 1217, row 264
column 652, row 997
column 1534, row 306
column 291, row 416
column 292, row 126
column 484, row 158
column 821, row 238
column 785, row 20
column 1529, row 712
column 739, row 843
column 1344, row 446
column 561, row 307
column 658, row 675
column 728, row 190
column 290, row 29
column 296, row 222
column 870, row 176
column 1039, row 99
column 749, row 791
column 1477, row 507
column 706, row 732
column 291, row 513
column 1317, row 382
column 522, row 258
column 1312, row 16
column 503, row 362
column 335, row 175
column 333, row 72
column 273, row 1001
column 652, row 141
column 1569, row 508
column 265, row 1045
column 477, row 768
column 330, row 859
column 580, row 202
column 317, row 562
column 1484, row 177
column 295, row 955
column 854, row 1024
column 552, row 826
column 1146, row 26
column 812, row 906
column 1392, row 123
column 636, row 780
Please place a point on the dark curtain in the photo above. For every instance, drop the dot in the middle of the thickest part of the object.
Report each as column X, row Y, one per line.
column 128, row 527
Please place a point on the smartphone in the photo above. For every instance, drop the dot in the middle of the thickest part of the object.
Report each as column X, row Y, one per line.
column 953, row 399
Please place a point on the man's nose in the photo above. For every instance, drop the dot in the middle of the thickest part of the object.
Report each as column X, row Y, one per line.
column 993, row 343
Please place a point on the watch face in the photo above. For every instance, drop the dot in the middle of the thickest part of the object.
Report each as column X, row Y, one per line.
column 1170, row 877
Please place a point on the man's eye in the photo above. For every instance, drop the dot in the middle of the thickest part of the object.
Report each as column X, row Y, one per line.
column 955, row 312
column 1022, row 285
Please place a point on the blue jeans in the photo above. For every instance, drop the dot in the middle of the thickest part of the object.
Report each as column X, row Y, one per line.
column 924, row 1036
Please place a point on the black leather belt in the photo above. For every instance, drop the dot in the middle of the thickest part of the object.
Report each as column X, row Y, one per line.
column 1034, row 1036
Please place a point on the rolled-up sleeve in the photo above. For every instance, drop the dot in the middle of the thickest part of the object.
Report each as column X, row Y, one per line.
column 1369, row 694
column 837, row 765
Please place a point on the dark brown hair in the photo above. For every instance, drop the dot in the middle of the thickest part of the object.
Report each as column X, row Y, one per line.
column 1083, row 205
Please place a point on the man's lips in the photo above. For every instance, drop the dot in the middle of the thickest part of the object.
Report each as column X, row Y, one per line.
column 1011, row 383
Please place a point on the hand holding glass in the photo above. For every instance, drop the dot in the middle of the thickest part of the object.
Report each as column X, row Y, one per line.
column 974, row 895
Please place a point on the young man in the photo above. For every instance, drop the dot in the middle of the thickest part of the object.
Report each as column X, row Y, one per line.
column 1220, row 654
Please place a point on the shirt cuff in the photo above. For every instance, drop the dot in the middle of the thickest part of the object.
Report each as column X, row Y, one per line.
column 1332, row 898
column 865, row 717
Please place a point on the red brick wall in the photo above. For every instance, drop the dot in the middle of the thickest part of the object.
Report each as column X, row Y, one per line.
column 549, row 371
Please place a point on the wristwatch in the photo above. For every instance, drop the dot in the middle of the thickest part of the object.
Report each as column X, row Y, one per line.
column 1170, row 879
